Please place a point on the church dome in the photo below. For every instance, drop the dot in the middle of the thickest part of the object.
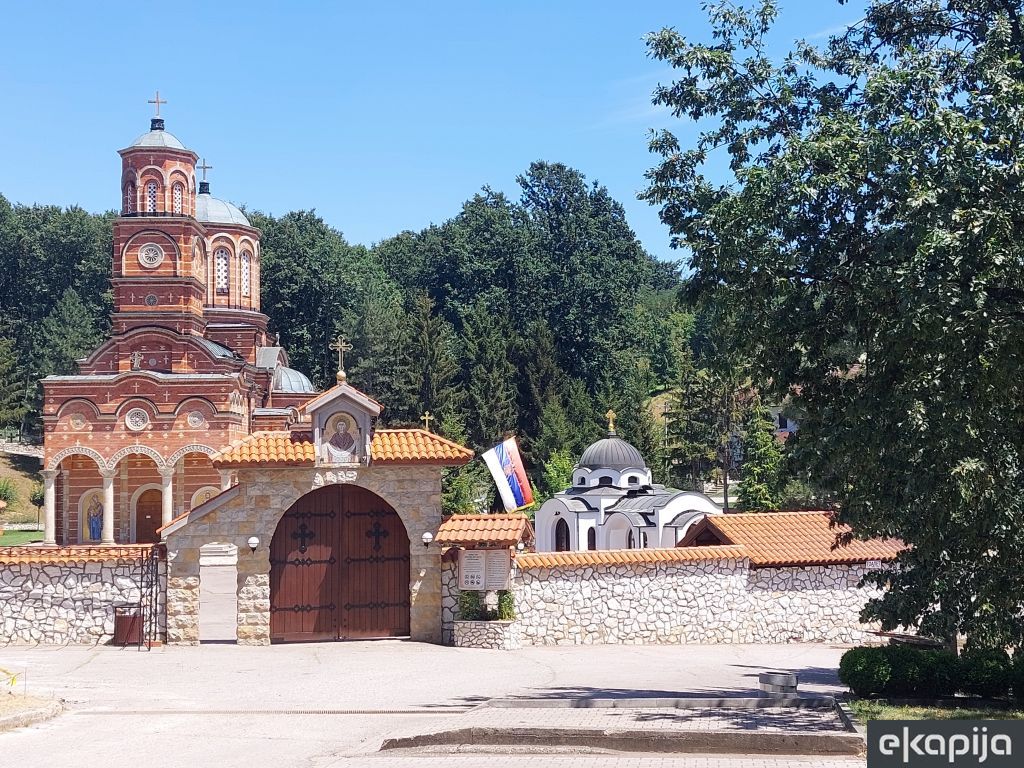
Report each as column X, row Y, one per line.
column 611, row 452
column 289, row 380
column 160, row 138
column 217, row 211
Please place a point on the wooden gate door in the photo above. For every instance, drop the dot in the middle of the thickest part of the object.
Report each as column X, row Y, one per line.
column 304, row 570
column 339, row 568
column 148, row 516
column 375, row 573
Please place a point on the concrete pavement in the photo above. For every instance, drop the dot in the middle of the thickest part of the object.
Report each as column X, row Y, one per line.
column 332, row 704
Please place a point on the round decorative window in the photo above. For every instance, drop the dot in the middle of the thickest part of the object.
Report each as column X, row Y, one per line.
column 151, row 255
column 196, row 419
column 136, row 419
column 151, row 300
column 77, row 421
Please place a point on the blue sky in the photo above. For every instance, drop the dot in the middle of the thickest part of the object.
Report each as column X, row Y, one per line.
column 383, row 117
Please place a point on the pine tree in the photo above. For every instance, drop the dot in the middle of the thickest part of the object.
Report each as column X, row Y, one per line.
column 12, row 400
column 691, row 423
column 555, row 433
column 586, row 420
column 557, row 473
column 636, row 421
column 381, row 342
column 761, row 485
column 433, row 367
column 489, row 378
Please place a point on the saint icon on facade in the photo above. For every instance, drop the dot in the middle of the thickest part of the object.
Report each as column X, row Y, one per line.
column 339, row 444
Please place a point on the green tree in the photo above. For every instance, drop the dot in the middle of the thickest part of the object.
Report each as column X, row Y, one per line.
column 12, row 392
column 868, row 241
column 557, row 473
column 489, row 377
column 762, row 482
column 433, row 365
column 381, row 352
column 692, row 426
column 66, row 335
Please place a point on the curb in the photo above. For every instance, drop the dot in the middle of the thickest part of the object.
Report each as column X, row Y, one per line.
column 31, row 716
column 849, row 721
column 706, row 742
column 732, row 702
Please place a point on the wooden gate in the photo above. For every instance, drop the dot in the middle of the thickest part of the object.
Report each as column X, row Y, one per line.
column 339, row 568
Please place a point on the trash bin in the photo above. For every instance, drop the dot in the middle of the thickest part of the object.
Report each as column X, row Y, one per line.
column 127, row 625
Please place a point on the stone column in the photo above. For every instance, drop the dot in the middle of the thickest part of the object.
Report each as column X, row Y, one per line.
column 167, row 495
column 107, row 537
column 225, row 479
column 49, row 506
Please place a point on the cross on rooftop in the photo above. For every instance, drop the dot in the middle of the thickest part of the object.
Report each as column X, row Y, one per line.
column 611, row 415
column 158, row 101
column 204, row 168
column 426, row 418
column 341, row 346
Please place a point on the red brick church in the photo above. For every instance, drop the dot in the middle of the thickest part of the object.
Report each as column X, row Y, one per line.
column 189, row 370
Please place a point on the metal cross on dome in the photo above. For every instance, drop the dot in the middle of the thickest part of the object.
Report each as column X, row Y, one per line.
column 204, row 168
column 158, row 101
column 611, row 419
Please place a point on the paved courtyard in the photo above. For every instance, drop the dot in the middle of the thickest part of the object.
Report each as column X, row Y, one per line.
column 321, row 705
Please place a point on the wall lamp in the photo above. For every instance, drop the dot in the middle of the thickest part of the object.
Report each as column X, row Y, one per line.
column 427, row 538
column 253, row 542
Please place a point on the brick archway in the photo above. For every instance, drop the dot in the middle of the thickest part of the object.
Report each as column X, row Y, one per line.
column 339, row 568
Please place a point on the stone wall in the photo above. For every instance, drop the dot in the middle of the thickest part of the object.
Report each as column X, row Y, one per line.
column 712, row 601
column 69, row 602
column 255, row 505
column 449, row 599
column 492, row 635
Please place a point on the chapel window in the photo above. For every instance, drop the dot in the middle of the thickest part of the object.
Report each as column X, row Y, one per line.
column 561, row 536
column 633, row 480
column 630, row 542
column 592, row 539
column 129, row 198
column 246, row 272
column 604, row 480
column 150, row 197
column 220, row 268
column 178, row 194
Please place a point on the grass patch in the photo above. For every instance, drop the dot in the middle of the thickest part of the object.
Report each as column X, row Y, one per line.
column 17, row 538
column 870, row 709
column 22, row 472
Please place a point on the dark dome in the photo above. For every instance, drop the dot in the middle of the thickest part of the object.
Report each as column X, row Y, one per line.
column 611, row 453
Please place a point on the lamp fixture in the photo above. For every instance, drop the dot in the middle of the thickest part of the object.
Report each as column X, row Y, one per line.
column 427, row 538
column 253, row 542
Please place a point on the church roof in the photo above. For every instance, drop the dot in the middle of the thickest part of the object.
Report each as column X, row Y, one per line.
column 629, row 556
column 158, row 138
column 501, row 530
column 292, row 381
column 214, row 210
column 612, row 452
column 388, row 446
column 792, row 538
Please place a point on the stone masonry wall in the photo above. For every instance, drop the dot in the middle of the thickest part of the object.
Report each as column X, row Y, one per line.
column 69, row 602
column 449, row 600
column 715, row 601
column 493, row 635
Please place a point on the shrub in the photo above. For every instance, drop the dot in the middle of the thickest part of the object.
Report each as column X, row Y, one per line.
column 940, row 674
column 906, row 670
column 8, row 492
column 985, row 672
column 506, row 605
column 1017, row 675
column 471, row 607
column 865, row 670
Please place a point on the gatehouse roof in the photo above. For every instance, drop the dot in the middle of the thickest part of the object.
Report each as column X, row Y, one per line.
column 296, row 449
column 773, row 539
column 498, row 530
column 629, row 556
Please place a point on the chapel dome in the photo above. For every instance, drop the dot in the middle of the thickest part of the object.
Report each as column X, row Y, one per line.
column 611, row 452
column 157, row 137
column 289, row 380
column 217, row 211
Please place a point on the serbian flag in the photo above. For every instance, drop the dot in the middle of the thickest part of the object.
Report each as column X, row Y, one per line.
column 506, row 467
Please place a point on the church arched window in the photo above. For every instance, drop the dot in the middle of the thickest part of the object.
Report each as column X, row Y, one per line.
column 630, row 541
column 220, row 270
column 561, row 536
column 178, row 194
column 129, row 198
column 150, row 197
column 592, row 539
column 246, row 272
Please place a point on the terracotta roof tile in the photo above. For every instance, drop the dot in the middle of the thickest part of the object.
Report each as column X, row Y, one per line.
column 629, row 556
column 793, row 538
column 398, row 446
column 79, row 554
column 388, row 446
column 504, row 530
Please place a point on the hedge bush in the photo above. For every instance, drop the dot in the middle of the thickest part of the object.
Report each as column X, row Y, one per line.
column 985, row 672
column 900, row 670
column 865, row 670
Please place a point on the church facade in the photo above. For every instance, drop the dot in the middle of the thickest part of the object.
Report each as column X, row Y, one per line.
column 188, row 428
